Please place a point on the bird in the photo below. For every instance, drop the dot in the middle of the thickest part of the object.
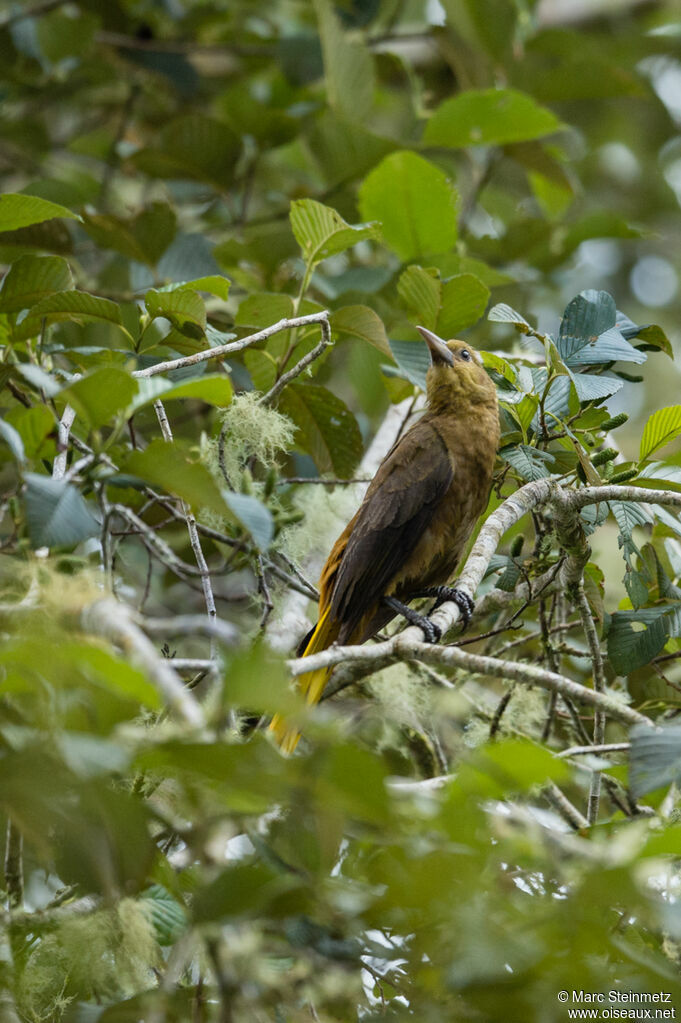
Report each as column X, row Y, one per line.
column 408, row 535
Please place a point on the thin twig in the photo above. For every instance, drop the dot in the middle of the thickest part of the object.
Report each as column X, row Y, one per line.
column 299, row 367
column 221, row 351
column 600, row 686
column 194, row 540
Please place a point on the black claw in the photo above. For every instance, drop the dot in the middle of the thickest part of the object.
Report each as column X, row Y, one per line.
column 431, row 631
column 464, row 603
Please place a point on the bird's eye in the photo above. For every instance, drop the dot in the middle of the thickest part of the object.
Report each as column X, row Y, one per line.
column 465, row 355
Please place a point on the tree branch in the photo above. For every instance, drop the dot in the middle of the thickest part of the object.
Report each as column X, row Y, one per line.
column 222, row 351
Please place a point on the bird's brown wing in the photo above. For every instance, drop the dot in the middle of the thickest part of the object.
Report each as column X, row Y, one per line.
column 399, row 505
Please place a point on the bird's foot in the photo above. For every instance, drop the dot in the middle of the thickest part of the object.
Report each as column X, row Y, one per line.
column 431, row 631
column 442, row 594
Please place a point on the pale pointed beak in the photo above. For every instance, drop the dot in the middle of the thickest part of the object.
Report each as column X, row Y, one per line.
column 439, row 353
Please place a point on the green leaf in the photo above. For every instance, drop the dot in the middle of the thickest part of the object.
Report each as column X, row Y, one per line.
column 33, row 425
column 462, row 302
column 420, row 289
column 12, row 439
column 654, row 337
column 588, row 334
column 144, row 237
column 359, row 321
column 588, row 316
column 482, row 117
column 415, row 203
column 654, row 758
column 662, row 427
column 166, row 465
column 253, row 515
column 69, row 305
column 56, row 514
column 168, row 916
column 502, row 313
column 530, row 463
column 656, row 473
column 214, row 389
column 23, row 210
column 631, row 648
column 413, row 360
column 194, row 146
column 590, row 387
column 262, row 368
column 98, row 396
column 31, row 278
column 348, row 66
column 214, row 284
column 446, row 307
column 263, row 309
column 328, row 431
column 185, row 309
column 321, row 231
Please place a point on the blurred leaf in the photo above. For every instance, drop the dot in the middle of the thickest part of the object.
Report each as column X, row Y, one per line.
column 359, row 321
column 18, row 211
column 252, row 514
column 654, row 758
column 192, row 146
column 413, row 360
column 31, row 278
column 480, row 117
column 144, row 237
column 98, row 396
column 662, row 426
column 321, row 231
column 414, row 201
column 328, row 431
column 56, row 514
column 166, row 465
column 12, row 439
column 168, row 916
column 348, row 65
column 33, row 425
column 344, row 148
column 241, row 891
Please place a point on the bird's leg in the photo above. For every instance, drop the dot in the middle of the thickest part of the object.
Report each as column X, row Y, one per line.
column 431, row 631
column 443, row 593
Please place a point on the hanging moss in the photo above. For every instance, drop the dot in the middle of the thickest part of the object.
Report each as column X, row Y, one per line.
column 103, row 956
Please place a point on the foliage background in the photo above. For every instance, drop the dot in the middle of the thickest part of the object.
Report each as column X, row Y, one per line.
column 162, row 861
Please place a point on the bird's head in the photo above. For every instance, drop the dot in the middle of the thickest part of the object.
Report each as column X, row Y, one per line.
column 456, row 377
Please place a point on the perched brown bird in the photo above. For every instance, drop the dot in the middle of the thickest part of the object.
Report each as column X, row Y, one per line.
column 408, row 534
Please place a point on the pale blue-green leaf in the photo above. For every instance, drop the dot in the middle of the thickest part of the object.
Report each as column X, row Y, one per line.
column 253, row 515
column 56, row 514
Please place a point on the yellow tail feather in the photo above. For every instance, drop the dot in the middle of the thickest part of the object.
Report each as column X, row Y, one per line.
column 311, row 684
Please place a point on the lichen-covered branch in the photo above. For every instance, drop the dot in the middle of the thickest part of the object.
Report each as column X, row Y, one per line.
column 222, row 351
column 115, row 622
